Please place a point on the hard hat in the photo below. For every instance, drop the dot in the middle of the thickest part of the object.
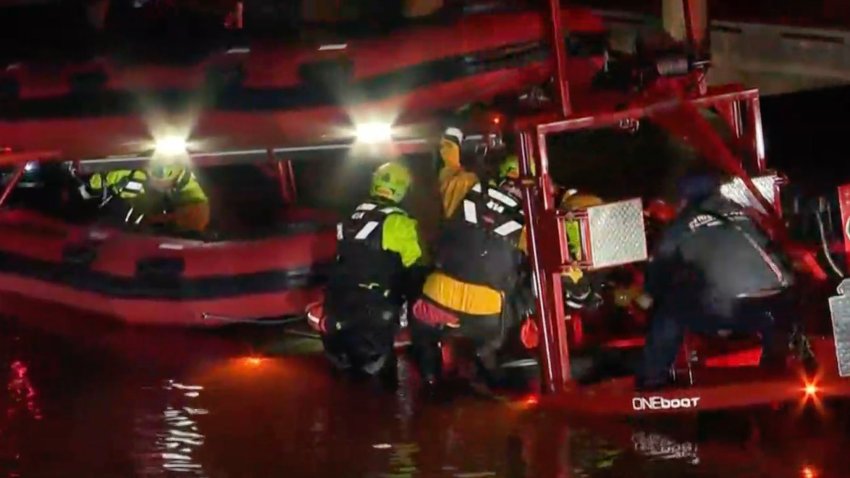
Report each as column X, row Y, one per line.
column 509, row 167
column 162, row 176
column 453, row 134
column 391, row 181
column 165, row 172
column 580, row 201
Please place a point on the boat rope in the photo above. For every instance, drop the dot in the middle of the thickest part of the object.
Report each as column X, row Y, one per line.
column 236, row 320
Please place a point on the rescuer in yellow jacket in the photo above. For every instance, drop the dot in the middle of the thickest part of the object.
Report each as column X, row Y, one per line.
column 479, row 261
column 455, row 183
column 378, row 251
column 161, row 194
column 579, row 291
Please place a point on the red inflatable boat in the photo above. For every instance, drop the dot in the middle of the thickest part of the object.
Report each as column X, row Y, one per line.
column 262, row 95
column 156, row 280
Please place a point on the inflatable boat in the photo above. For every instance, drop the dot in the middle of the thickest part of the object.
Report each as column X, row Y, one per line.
column 261, row 94
column 258, row 102
column 146, row 279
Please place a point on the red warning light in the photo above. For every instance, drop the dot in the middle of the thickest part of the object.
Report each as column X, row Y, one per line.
column 252, row 361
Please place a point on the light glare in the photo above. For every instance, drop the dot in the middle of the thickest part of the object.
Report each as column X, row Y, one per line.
column 373, row 132
column 811, row 389
column 171, row 146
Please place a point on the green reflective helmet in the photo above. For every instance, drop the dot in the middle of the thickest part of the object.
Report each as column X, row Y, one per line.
column 509, row 168
column 391, row 181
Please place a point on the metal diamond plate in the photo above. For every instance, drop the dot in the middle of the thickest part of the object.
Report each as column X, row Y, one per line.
column 839, row 310
column 617, row 234
column 736, row 191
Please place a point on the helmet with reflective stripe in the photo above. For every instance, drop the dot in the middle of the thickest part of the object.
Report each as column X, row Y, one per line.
column 391, row 181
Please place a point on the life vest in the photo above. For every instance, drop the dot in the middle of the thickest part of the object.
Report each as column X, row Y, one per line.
column 363, row 267
column 479, row 244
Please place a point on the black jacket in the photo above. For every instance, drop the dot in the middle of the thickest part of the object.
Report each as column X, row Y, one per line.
column 713, row 254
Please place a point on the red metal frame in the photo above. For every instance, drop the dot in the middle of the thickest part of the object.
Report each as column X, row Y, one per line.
column 547, row 243
column 13, row 181
column 285, row 177
column 287, row 181
column 556, row 39
column 844, row 204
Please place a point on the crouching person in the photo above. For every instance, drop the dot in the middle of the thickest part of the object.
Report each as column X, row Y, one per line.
column 715, row 271
column 479, row 271
column 377, row 251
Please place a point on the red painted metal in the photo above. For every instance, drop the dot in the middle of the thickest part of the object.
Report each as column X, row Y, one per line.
column 554, row 354
column 285, row 177
column 560, row 55
column 754, row 108
column 844, row 205
column 287, row 181
column 13, row 182
column 697, row 37
column 714, row 389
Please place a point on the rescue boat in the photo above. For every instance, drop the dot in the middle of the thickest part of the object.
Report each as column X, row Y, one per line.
column 262, row 94
column 144, row 279
column 250, row 103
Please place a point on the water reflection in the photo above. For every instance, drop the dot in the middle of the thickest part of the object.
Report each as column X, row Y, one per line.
column 69, row 413
column 22, row 394
column 19, row 406
column 169, row 439
column 659, row 446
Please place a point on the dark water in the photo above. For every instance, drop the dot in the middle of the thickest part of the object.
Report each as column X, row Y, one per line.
column 131, row 403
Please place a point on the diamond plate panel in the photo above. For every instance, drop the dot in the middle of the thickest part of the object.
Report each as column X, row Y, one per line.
column 736, row 191
column 839, row 310
column 617, row 234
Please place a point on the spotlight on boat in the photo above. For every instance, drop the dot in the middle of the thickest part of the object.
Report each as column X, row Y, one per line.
column 373, row 132
column 170, row 146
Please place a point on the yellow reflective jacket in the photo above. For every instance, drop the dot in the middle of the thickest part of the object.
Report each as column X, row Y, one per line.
column 190, row 203
column 401, row 235
column 448, row 292
column 131, row 184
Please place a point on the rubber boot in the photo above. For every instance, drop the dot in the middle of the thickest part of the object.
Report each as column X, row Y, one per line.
column 428, row 358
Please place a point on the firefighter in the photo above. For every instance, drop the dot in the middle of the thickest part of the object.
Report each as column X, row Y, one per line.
column 162, row 194
column 476, row 288
column 455, row 180
column 579, row 290
column 375, row 273
column 715, row 271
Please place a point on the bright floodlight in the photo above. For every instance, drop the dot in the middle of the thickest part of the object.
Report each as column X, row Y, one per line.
column 374, row 132
column 171, row 146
